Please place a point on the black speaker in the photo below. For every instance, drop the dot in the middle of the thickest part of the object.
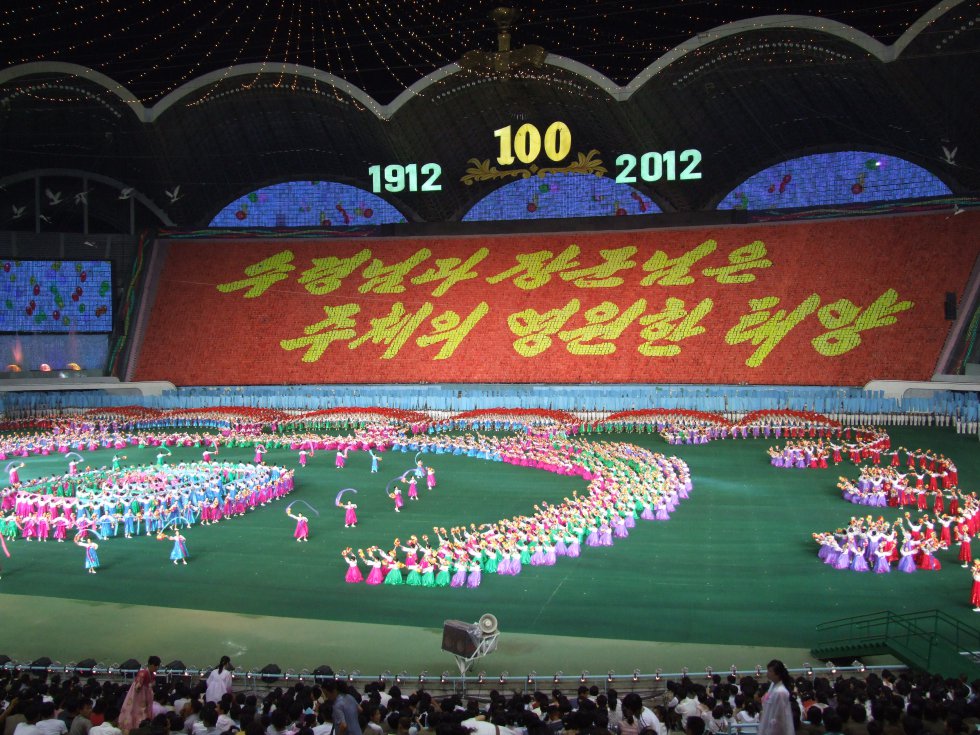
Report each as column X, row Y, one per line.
column 85, row 666
column 175, row 667
column 950, row 306
column 4, row 660
column 270, row 673
column 130, row 667
column 42, row 663
column 460, row 638
column 322, row 673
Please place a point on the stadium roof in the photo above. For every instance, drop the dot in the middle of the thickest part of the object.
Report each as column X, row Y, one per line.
column 226, row 96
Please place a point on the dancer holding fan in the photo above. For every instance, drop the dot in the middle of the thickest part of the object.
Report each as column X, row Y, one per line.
column 302, row 532
column 350, row 509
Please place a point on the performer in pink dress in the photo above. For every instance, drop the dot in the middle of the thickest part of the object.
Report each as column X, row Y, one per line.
column 350, row 514
column 397, row 497
column 302, row 532
column 138, row 705
column 353, row 571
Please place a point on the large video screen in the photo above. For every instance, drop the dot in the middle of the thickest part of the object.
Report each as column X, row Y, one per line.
column 55, row 296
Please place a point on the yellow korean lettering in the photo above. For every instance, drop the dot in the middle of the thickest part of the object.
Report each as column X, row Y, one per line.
column 534, row 270
column 451, row 271
column 603, row 326
column 845, row 321
column 327, row 274
column 262, row 275
column 765, row 328
column 667, row 271
column 673, row 324
column 451, row 331
column 381, row 278
column 741, row 259
column 394, row 329
column 536, row 330
column 339, row 325
column 602, row 275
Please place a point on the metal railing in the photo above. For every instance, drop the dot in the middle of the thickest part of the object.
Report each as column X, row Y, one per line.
column 922, row 636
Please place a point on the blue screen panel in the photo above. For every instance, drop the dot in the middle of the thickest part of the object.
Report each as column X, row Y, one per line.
column 55, row 296
column 558, row 196
column 308, row 204
column 845, row 177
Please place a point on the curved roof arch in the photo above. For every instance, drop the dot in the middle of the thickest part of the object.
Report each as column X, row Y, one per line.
column 882, row 52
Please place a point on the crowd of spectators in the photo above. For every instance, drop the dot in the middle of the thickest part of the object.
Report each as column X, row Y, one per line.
column 890, row 704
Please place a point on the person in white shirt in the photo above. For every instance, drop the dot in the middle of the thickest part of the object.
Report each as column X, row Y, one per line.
column 688, row 706
column 49, row 724
column 224, row 722
column 219, row 681
column 644, row 716
column 29, row 725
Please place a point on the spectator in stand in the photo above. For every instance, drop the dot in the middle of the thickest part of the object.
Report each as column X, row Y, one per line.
column 206, row 721
column 82, row 722
column 857, row 723
column 688, row 705
column 813, row 724
column 832, row 722
column 29, row 725
column 344, row 716
column 645, row 717
column 109, row 723
column 49, row 724
column 323, row 717
column 191, row 712
column 718, row 722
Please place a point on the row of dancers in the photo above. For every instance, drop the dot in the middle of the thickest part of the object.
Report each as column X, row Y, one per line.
column 626, row 484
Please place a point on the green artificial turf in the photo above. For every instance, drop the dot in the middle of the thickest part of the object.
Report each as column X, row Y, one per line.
column 734, row 565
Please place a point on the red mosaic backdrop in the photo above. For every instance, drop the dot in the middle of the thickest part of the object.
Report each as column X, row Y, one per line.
column 804, row 303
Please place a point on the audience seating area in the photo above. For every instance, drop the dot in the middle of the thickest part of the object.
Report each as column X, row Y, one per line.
column 864, row 701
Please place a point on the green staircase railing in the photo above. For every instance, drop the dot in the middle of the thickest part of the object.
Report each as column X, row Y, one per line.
column 930, row 640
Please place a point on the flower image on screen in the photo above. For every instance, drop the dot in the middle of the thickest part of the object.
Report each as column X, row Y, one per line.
column 55, row 296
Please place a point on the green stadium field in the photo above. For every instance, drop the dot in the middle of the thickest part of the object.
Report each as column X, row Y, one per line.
column 731, row 578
